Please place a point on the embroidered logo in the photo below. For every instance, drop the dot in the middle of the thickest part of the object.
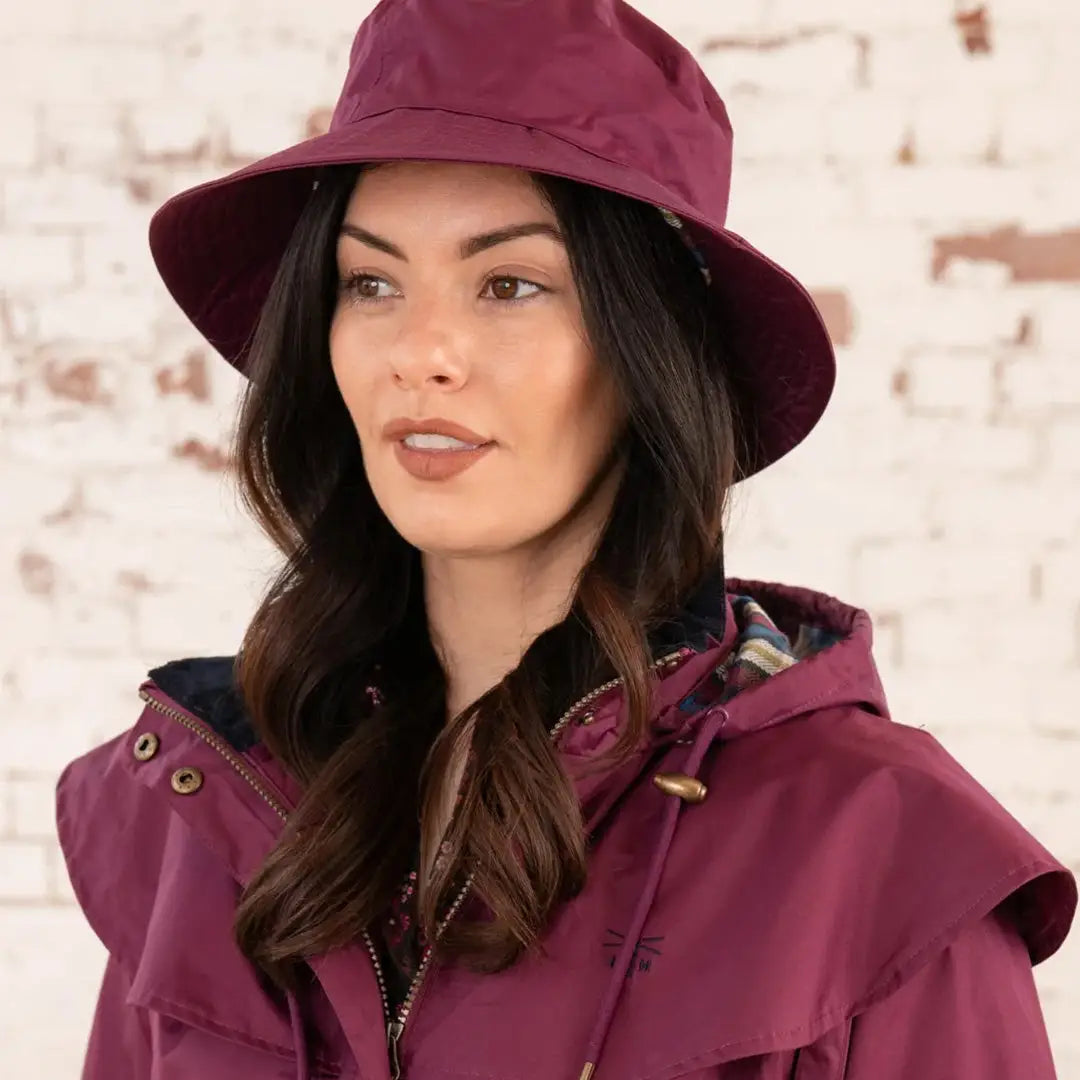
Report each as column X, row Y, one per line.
column 644, row 951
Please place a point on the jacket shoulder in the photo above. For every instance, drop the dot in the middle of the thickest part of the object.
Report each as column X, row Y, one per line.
column 920, row 848
column 157, row 870
column 114, row 835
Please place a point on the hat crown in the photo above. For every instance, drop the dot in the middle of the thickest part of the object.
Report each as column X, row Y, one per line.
column 594, row 72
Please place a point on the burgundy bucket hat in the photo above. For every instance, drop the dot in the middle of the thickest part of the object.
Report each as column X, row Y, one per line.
column 585, row 89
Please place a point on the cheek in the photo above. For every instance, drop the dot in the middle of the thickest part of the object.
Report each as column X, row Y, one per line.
column 353, row 377
column 568, row 416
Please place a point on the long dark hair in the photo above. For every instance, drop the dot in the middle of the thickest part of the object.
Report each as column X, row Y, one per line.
column 346, row 611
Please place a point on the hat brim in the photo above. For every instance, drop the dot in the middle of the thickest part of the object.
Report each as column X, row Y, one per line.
column 217, row 247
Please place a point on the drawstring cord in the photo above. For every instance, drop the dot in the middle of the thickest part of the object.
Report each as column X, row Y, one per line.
column 706, row 734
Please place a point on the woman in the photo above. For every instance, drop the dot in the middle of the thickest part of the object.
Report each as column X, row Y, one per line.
column 507, row 779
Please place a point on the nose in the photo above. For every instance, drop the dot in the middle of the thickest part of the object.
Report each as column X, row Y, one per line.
column 429, row 356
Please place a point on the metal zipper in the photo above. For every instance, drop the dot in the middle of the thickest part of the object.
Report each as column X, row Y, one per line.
column 395, row 1027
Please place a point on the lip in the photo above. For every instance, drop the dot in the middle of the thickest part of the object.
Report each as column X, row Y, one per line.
column 401, row 426
column 435, row 464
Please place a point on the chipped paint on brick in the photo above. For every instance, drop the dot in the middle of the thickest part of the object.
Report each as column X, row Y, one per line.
column 188, row 377
column 836, row 310
column 1029, row 257
column 37, row 573
column 206, row 457
column 318, row 122
column 134, row 581
column 77, row 382
column 974, row 27
column 906, row 154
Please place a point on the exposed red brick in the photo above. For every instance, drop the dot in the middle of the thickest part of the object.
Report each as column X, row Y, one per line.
column 134, row 581
column 906, row 154
column 318, row 122
column 77, row 381
column 836, row 310
column 141, row 189
column 206, row 457
column 901, row 383
column 974, row 27
column 1051, row 256
column 188, row 377
column 37, row 573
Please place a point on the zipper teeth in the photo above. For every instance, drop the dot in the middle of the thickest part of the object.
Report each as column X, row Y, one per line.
column 221, row 746
column 414, row 987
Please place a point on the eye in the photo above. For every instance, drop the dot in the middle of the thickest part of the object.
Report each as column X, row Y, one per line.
column 364, row 288
column 358, row 288
column 502, row 279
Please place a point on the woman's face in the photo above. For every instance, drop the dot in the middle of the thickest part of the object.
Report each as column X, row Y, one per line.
column 439, row 320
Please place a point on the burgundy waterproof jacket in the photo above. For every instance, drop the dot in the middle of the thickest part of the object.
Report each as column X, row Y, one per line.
column 844, row 902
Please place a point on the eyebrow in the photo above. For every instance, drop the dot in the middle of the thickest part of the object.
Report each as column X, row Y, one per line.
column 473, row 245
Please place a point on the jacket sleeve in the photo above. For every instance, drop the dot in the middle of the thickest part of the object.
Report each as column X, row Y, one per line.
column 973, row 1012
column 119, row 1046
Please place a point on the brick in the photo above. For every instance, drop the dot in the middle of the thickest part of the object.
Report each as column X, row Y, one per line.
column 94, row 439
column 763, row 198
column 862, row 128
column 198, row 78
column 808, row 62
column 900, row 61
column 1009, row 509
column 952, row 315
column 172, row 130
column 1040, row 385
column 56, row 198
column 954, row 383
column 948, row 194
column 25, row 876
column 941, row 636
column 36, row 262
column 97, row 317
column 56, row 961
column 118, row 260
column 64, row 70
column 262, row 128
column 1032, row 133
column 903, row 575
column 1055, row 317
column 34, row 806
column 961, row 125
column 775, row 127
column 1059, row 572
column 84, row 136
column 175, row 622
column 850, row 14
column 1063, row 448
column 20, row 146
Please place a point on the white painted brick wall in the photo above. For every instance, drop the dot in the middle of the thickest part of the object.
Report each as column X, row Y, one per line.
column 942, row 491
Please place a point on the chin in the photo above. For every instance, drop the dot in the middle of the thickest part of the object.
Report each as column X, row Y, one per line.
column 461, row 535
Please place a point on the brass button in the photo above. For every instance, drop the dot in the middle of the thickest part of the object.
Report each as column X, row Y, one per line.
column 146, row 746
column 188, row 780
column 688, row 788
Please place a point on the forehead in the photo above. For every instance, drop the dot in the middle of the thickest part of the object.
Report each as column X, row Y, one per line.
column 411, row 187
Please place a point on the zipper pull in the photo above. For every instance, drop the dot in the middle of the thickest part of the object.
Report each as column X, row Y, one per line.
column 393, row 1033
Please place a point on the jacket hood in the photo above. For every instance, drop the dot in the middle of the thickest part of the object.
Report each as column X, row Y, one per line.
column 769, row 697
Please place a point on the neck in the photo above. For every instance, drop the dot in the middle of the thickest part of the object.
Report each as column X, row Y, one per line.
column 485, row 611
